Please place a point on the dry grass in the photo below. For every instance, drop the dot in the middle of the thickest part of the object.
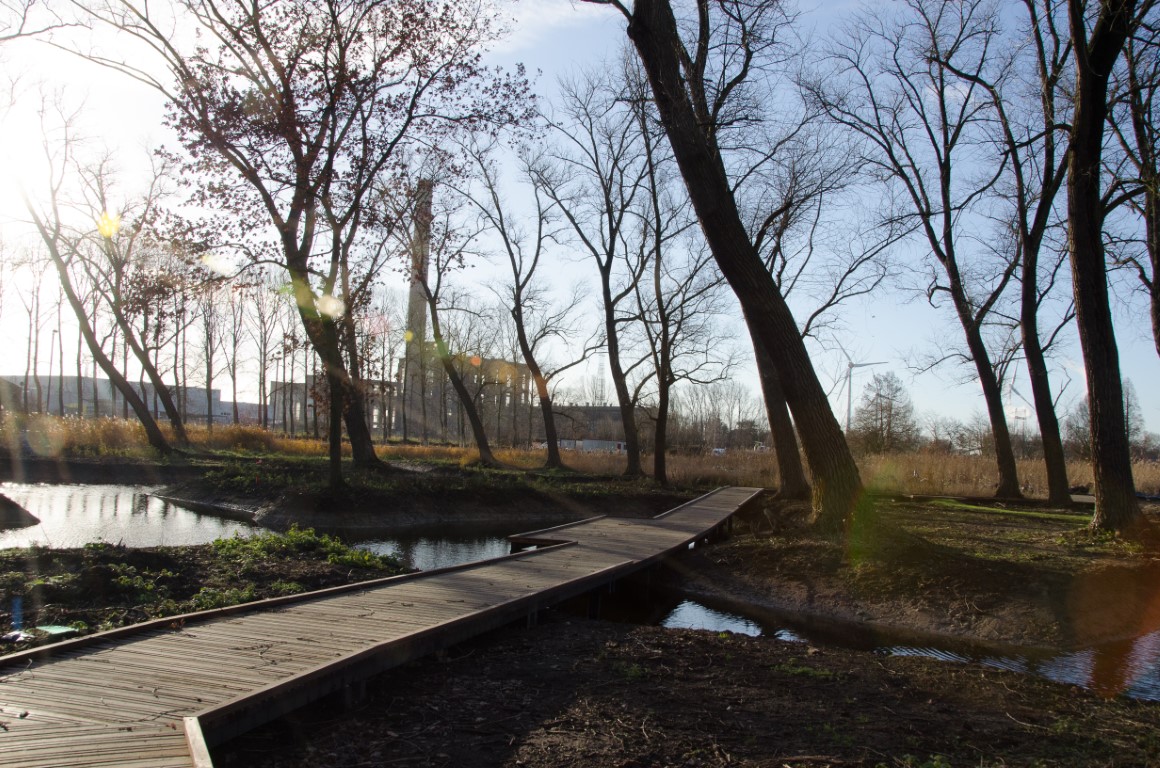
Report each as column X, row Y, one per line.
column 918, row 473
column 51, row 436
column 956, row 475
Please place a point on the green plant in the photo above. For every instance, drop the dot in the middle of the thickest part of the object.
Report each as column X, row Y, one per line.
column 298, row 541
column 209, row 597
column 286, row 587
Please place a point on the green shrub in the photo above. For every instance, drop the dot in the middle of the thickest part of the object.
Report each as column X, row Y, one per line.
column 299, row 541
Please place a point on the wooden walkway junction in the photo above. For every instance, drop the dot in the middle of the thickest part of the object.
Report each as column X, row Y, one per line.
column 160, row 694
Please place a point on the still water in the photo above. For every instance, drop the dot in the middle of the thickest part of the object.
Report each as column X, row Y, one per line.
column 437, row 547
column 1128, row 667
column 74, row 515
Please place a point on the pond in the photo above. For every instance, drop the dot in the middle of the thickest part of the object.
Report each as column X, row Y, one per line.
column 74, row 515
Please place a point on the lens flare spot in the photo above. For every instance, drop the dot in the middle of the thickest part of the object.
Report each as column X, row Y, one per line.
column 216, row 264
column 109, row 224
column 409, row 336
column 476, row 360
column 330, row 306
column 46, row 441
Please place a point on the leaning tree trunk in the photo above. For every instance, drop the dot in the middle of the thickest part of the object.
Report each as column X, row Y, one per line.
column 172, row 412
column 466, row 403
column 791, row 473
column 1008, row 486
column 128, row 395
column 545, row 397
column 1116, row 504
column 837, row 486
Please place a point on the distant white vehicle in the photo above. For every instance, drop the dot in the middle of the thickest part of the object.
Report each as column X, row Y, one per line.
column 718, row 451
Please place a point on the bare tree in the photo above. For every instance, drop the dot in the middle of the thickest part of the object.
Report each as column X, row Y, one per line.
column 893, row 82
column 1098, row 36
column 126, row 273
column 30, row 300
column 1028, row 130
column 26, row 18
column 678, row 292
column 212, row 326
column 702, row 76
column 382, row 330
column 800, row 200
column 595, row 179
column 264, row 299
column 536, row 319
column 63, row 244
column 293, row 112
column 449, row 252
column 1134, row 118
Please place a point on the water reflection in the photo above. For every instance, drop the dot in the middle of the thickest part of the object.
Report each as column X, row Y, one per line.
column 75, row 515
column 690, row 615
column 1127, row 667
column 430, row 548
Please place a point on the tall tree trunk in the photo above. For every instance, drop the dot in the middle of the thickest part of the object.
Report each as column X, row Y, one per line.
column 624, row 399
column 1053, row 458
column 791, row 473
column 1140, row 108
column 1008, row 486
column 1116, row 504
column 1152, row 224
column 661, row 433
column 837, row 486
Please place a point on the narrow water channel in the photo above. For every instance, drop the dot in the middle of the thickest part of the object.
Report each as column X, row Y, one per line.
column 74, row 515
column 1127, row 667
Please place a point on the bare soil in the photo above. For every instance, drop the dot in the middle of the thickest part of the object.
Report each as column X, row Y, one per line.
column 588, row 693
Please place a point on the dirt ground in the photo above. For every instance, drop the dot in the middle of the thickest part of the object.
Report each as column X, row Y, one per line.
column 587, row 693
column 577, row 692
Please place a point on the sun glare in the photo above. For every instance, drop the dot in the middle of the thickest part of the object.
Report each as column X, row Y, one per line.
column 109, row 224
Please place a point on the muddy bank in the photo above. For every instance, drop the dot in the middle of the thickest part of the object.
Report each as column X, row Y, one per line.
column 409, row 507
column 24, row 469
column 12, row 515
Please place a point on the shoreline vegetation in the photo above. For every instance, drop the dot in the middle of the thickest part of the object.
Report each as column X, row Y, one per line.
column 961, row 566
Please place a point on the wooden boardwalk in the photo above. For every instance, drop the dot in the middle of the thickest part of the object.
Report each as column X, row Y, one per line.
column 160, row 694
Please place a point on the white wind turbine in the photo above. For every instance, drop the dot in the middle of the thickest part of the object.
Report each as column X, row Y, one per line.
column 850, row 366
